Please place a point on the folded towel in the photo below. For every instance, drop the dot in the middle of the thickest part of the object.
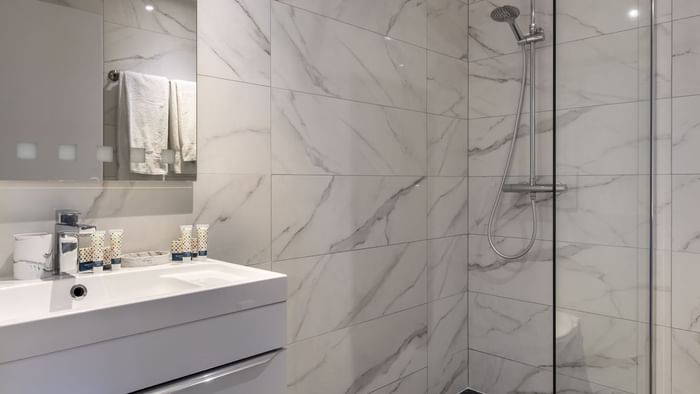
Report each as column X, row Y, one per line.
column 183, row 122
column 143, row 122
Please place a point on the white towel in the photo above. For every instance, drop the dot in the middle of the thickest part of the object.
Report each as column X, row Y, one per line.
column 142, row 122
column 183, row 122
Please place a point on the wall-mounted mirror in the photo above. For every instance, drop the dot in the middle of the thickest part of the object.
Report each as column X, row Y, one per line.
column 102, row 90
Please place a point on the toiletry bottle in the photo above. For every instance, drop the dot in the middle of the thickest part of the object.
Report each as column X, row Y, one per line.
column 115, row 248
column 202, row 235
column 98, row 250
column 85, row 260
column 194, row 249
column 175, row 251
column 186, row 238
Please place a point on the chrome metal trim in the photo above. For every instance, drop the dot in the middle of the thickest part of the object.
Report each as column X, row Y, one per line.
column 536, row 188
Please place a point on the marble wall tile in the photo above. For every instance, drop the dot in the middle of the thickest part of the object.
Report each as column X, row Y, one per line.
column 361, row 358
column 664, row 59
column 447, row 330
column 173, row 17
column 514, row 217
column 234, row 40
column 526, row 279
column 519, row 331
column 155, row 53
column 414, row 383
column 93, row 6
column 321, row 214
column 318, row 55
column 598, row 140
column 447, row 146
column 685, row 292
column 685, row 362
column 448, row 27
column 447, row 267
column 320, row 135
column 401, row 19
column 579, row 19
column 603, row 350
column 686, row 56
column 447, row 85
column 686, row 135
column 490, row 140
column 334, row 291
column 599, row 70
column 663, row 360
column 598, row 279
column 685, row 8
column 664, row 143
column 447, row 206
column 234, row 127
column 686, row 233
column 662, row 288
column 237, row 209
column 663, row 11
column 450, row 375
column 493, row 374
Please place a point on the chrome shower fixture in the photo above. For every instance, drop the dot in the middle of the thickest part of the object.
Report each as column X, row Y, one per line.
column 508, row 14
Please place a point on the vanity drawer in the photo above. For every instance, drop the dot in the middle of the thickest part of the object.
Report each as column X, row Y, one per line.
column 263, row 374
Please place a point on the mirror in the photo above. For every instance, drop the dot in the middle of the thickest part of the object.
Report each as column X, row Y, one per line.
column 93, row 90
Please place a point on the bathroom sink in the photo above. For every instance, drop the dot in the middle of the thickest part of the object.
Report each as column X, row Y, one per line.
column 39, row 317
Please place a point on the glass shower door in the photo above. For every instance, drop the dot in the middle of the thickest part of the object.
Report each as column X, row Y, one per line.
column 602, row 234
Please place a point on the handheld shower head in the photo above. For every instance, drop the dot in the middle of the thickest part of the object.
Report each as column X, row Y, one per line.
column 508, row 13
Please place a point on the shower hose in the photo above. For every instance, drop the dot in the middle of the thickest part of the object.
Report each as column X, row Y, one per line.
column 499, row 196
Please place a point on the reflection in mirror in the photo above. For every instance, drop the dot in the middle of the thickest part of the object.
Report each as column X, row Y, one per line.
column 94, row 89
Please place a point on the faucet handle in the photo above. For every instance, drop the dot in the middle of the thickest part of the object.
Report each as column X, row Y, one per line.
column 68, row 217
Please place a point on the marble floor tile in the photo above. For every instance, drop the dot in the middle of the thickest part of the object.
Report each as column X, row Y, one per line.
column 447, row 206
column 334, row 291
column 321, row 214
column 447, row 267
column 401, row 19
column 234, row 127
column 234, row 40
column 448, row 89
column 447, row 146
column 448, row 27
column 314, row 54
column 320, row 135
column 362, row 358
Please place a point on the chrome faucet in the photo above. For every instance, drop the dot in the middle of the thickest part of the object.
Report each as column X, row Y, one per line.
column 69, row 232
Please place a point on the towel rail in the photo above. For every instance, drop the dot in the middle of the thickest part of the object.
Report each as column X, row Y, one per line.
column 113, row 75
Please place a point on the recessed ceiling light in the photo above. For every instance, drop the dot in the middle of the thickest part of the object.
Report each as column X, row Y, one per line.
column 633, row 13
column 150, row 8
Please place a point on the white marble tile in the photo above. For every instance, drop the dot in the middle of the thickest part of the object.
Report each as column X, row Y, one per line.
column 664, row 59
column 447, row 146
column 449, row 376
column 234, row 40
column 493, row 374
column 448, row 89
column 447, row 206
column 494, row 84
column 599, row 210
column 334, row 291
column 598, row 140
column 447, row 331
column 663, row 360
column 447, row 267
column 401, row 19
column 664, row 142
column 685, row 292
column 686, row 56
column 516, row 330
column 685, row 8
column 685, row 216
column 131, row 49
column 361, row 358
column 527, row 279
column 314, row 54
column 579, row 19
column 490, row 141
column 686, row 135
column 599, row 70
column 663, row 10
column 234, row 127
column 320, row 214
column 488, row 38
column 685, row 362
column 414, row 383
column 237, row 207
column 514, row 217
column 93, row 6
column 662, row 288
column 598, row 279
column 448, row 27
column 172, row 17
column 603, row 350
column 320, row 135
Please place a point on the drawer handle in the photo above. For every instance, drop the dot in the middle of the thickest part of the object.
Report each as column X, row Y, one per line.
column 212, row 375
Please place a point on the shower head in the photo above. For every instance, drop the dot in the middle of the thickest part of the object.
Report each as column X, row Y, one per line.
column 508, row 13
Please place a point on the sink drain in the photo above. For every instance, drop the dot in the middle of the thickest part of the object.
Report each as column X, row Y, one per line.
column 78, row 292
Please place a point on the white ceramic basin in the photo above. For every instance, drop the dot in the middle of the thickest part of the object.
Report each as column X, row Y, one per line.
column 39, row 317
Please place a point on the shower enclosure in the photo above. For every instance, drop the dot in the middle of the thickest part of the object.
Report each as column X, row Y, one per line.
column 560, row 196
